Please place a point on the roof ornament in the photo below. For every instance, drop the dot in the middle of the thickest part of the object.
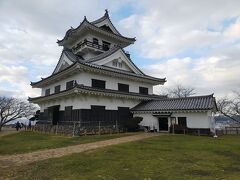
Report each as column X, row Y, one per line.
column 106, row 13
column 85, row 19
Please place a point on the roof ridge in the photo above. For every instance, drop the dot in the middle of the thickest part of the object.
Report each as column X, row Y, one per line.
column 105, row 16
column 206, row 102
column 190, row 97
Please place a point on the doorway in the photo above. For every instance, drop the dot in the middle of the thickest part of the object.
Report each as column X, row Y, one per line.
column 53, row 113
column 163, row 123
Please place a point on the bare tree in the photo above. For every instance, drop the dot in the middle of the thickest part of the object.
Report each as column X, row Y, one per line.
column 181, row 91
column 12, row 109
column 230, row 107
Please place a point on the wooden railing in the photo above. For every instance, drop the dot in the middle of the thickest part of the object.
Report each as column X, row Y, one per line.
column 91, row 44
column 232, row 130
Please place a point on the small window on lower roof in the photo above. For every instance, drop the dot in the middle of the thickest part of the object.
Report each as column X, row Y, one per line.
column 120, row 64
column 69, row 84
column 114, row 63
column 47, row 92
column 95, row 41
column 57, row 89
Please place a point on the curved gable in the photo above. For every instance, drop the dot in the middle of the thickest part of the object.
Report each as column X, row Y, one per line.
column 119, row 60
column 63, row 63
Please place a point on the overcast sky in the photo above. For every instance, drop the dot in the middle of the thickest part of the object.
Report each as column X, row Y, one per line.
column 194, row 43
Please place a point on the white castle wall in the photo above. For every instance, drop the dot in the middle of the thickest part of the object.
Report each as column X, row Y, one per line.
column 84, row 102
column 85, row 78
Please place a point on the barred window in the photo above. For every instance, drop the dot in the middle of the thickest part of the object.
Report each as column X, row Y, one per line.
column 123, row 87
column 57, row 89
column 69, row 84
column 143, row 90
column 47, row 92
column 98, row 83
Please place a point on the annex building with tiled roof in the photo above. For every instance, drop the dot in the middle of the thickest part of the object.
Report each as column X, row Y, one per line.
column 96, row 80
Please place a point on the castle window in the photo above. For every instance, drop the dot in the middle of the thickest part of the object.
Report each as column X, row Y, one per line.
column 95, row 41
column 143, row 90
column 47, row 92
column 106, row 45
column 115, row 63
column 120, row 64
column 182, row 121
column 69, row 84
column 98, row 83
column 123, row 87
column 57, row 89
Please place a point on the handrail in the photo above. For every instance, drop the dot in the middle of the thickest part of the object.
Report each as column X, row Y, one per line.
column 91, row 44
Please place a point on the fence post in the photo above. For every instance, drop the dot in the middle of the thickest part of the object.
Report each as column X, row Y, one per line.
column 99, row 127
column 117, row 126
column 57, row 129
column 198, row 132
column 73, row 133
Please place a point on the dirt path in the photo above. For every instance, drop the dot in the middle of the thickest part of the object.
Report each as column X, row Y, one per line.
column 21, row 159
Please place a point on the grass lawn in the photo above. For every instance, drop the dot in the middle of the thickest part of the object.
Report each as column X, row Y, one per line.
column 27, row 141
column 163, row 157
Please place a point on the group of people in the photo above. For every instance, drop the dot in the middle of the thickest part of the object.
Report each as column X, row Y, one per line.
column 19, row 125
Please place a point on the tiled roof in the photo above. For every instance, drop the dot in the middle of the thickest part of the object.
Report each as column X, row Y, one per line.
column 172, row 104
column 79, row 60
column 87, row 23
column 105, row 16
column 74, row 58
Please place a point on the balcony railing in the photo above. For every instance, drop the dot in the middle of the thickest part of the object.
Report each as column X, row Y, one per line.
column 91, row 44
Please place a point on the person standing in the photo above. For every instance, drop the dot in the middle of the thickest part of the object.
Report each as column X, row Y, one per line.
column 29, row 125
column 18, row 126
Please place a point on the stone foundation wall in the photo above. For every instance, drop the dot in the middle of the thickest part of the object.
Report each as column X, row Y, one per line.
column 77, row 130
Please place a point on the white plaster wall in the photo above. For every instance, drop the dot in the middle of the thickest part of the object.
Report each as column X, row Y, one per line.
column 194, row 119
column 84, row 102
column 148, row 120
column 85, row 78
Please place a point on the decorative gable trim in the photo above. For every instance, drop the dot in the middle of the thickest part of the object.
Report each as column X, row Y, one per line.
column 63, row 61
column 105, row 20
column 119, row 55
